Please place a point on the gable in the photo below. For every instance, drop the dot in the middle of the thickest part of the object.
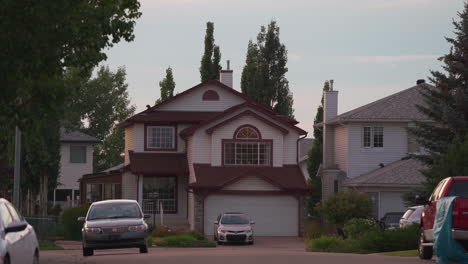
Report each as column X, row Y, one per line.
column 206, row 98
column 251, row 183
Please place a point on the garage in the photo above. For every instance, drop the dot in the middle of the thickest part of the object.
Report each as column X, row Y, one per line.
column 274, row 215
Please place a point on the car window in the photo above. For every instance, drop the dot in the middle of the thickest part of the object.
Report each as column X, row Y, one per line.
column 436, row 194
column 408, row 213
column 234, row 220
column 416, row 215
column 14, row 214
column 459, row 188
column 5, row 216
column 114, row 210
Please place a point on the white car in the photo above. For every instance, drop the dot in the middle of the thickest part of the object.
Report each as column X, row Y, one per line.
column 18, row 242
column 412, row 216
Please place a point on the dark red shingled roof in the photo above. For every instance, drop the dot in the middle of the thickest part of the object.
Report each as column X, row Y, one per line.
column 158, row 163
column 288, row 177
column 165, row 117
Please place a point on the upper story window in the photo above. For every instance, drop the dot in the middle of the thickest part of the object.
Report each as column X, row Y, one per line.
column 372, row 137
column 160, row 138
column 77, row 154
column 247, row 148
column 210, row 95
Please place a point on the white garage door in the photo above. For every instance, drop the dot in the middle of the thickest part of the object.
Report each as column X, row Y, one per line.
column 274, row 215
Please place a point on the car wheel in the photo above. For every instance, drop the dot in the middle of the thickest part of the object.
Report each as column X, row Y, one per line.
column 215, row 238
column 36, row 258
column 7, row 260
column 425, row 252
column 251, row 242
column 144, row 249
column 88, row 252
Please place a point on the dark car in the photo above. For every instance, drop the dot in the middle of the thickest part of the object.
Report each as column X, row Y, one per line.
column 114, row 224
column 391, row 220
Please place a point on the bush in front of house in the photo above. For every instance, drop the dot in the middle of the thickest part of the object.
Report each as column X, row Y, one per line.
column 341, row 207
column 357, row 227
column 69, row 220
column 185, row 240
column 334, row 244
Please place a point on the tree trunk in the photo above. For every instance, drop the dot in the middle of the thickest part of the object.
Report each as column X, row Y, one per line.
column 43, row 196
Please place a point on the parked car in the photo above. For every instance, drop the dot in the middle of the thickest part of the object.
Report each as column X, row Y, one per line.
column 391, row 220
column 233, row 227
column 114, row 224
column 18, row 241
column 452, row 186
column 412, row 216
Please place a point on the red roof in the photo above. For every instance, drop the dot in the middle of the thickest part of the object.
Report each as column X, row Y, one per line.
column 288, row 177
column 158, row 163
column 165, row 117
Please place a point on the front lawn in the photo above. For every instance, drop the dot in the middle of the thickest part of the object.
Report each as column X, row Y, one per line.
column 48, row 245
column 405, row 253
column 165, row 237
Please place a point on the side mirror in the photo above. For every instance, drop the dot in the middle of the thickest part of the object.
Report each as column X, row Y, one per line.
column 16, row 228
column 81, row 219
column 146, row 216
column 252, row 222
column 216, row 222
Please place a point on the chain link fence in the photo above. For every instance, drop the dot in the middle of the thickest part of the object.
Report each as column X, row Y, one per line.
column 47, row 228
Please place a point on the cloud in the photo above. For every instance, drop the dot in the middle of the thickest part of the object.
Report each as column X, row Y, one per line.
column 294, row 57
column 383, row 4
column 393, row 59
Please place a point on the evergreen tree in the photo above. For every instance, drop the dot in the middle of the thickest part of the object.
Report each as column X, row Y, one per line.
column 210, row 62
column 263, row 77
column 167, row 86
column 316, row 156
column 447, row 102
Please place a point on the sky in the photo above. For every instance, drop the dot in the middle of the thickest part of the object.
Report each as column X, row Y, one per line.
column 370, row 48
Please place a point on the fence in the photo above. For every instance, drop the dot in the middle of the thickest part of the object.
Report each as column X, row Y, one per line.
column 47, row 228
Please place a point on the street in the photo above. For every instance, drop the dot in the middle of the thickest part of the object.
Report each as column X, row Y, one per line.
column 266, row 250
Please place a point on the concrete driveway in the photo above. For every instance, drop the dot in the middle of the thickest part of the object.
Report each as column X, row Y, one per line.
column 271, row 250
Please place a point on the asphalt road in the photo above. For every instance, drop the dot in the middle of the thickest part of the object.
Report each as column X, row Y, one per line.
column 268, row 252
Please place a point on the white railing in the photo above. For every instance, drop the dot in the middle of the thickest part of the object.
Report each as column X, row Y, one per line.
column 151, row 206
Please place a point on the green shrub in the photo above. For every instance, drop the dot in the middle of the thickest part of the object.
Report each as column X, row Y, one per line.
column 197, row 235
column 339, row 208
column 391, row 240
column 69, row 219
column 162, row 231
column 357, row 227
column 334, row 244
column 182, row 241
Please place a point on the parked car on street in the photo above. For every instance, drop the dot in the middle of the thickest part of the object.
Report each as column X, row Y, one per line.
column 18, row 241
column 391, row 220
column 412, row 216
column 233, row 227
column 114, row 224
column 451, row 186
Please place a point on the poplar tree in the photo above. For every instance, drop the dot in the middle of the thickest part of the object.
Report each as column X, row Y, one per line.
column 210, row 62
column 264, row 75
column 167, row 86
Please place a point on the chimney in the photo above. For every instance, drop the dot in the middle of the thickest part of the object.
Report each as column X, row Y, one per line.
column 420, row 81
column 225, row 76
column 330, row 103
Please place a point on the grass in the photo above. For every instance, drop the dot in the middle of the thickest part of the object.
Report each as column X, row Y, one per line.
column 404, row 253
column 48, row 245
column 183, row 241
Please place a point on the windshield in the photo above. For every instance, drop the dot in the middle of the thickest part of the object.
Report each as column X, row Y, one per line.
column 459, row 188
column 234, row 220
column 408, row 213
column 114, row 210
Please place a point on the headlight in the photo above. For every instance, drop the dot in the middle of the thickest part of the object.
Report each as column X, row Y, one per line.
column 222, row 230
column 249, row 230
column 92, row 230
column 137, row 228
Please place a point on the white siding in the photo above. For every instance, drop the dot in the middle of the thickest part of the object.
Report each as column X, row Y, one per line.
column 140, row 139
column 129, row 186
column 341, row 148
column 129, row 142
column 362, row 160
column 194, row 102
column 201, row 147
column 227, row 132
column 70, row 173
column 391, row 201
column 290, row 147
column 191, row 210
column 252, row 183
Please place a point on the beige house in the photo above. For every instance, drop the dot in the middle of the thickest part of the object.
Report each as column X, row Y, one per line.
column 367, row 149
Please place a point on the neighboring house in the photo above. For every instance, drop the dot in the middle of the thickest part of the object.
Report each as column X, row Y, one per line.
column 210, row 150
column 76, row 151
column 367, row 149
column 305, row 145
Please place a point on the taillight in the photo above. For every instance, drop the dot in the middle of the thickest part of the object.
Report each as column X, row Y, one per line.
column 460, row 214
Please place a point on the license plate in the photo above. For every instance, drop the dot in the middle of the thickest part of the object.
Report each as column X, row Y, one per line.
column 114, row 237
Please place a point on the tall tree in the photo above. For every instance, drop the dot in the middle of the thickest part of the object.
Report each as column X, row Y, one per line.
column 447, row 103
column 167, row 86
column 210, row 62
column 316, row 155
column 264, row 75
column 96, row 106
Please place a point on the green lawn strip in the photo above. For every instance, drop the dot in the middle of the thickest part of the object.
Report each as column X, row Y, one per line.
column 48, row 245
column 183, row 241
column 404, row 253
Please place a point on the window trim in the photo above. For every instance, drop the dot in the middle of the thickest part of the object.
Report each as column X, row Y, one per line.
column 372, row 127
column 176, row 194
column 175, row 135
column 247, row 126
column 85, row 156
column 270, row 141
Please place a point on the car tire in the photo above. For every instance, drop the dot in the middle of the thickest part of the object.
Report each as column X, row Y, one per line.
column 251, row 242
column 144, row 249
column 88, row 252
column 220, row 243
column 36, row 257
column 425, row 252
column 7, row 260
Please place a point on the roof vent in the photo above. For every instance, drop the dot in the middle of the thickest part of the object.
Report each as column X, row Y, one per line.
column 418, row 82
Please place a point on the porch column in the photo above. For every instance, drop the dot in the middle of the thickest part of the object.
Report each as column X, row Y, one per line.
column 140, row 190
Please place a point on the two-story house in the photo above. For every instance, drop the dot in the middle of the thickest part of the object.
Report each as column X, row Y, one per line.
column 209, row 150
column 367, row 149
column 76, row 159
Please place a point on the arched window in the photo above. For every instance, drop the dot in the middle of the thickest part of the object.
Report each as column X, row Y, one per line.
column 247, row 132
column 210, row 95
